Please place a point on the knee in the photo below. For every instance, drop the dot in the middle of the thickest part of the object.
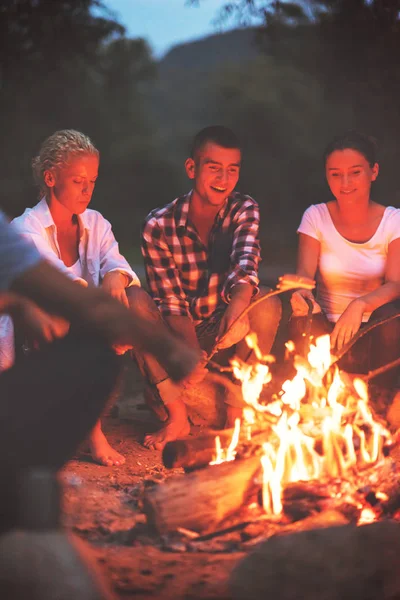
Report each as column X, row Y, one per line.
column 385, row 311
column 391, row 329
column 141, row 302
column 268, row 310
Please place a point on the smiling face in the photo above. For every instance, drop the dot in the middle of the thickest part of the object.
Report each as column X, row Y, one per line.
column 72, row 185
column 350, row 175
column 215, row 171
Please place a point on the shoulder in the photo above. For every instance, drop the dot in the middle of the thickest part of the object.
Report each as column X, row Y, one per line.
column 243, row 208
column 95, row 220
column 162, row 215
column 94, row 215
column 31, row 217
column 391, row 222
column 243, row 201
column 316, row 214
column 317, row 210
column 314, row 220
column 391, row 213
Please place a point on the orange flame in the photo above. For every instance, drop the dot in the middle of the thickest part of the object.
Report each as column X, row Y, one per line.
column 321, row 433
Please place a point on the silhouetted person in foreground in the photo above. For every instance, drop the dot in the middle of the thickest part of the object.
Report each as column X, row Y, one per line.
column 50, row 401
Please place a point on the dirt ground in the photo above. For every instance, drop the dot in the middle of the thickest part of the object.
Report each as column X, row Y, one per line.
column 103, row 506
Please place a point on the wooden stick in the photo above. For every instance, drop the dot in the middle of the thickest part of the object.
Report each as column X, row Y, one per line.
column 201, row 500
column 360, row 333
column 380, row 370
column 286, row 283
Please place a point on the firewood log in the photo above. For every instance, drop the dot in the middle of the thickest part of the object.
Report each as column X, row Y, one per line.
column 201, row 500
column 194, row 452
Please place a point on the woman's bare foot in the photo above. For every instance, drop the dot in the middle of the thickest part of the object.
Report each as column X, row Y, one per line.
column 101, row 450
column 177, row 426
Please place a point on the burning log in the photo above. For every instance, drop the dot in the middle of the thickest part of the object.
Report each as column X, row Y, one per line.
column 333, row 563
column 298, row 445
column 195, row 452
column 201, row 500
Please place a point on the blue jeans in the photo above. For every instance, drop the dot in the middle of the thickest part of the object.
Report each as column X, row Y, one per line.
column 377, row 348
column 264, row 320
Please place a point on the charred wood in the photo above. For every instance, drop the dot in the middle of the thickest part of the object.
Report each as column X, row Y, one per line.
column 196, row 452
column 201, row 500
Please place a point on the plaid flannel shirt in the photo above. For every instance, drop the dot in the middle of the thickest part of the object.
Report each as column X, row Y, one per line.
column 185, row 278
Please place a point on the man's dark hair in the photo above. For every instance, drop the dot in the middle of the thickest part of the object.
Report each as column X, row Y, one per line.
column 218, row 134
column 353, row 140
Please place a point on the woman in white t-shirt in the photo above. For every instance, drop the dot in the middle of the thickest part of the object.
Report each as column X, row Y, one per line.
column 76, row 240
column 351, row 245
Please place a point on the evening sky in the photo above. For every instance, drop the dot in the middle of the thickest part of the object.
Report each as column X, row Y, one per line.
column 165, row 23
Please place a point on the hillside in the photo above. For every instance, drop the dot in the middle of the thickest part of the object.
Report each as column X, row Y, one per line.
column 214, row 51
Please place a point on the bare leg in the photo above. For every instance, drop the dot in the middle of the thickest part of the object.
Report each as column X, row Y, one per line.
column 101, row 450
column 232, row 413
column 176, row 426
column 264, row 321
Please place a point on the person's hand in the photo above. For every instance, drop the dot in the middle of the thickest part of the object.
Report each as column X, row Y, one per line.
column 81, row 282
column 38, row 325
column 233, row 333
column 348, row 324
column 181, row 360
column 114, row 283
column 300, row 306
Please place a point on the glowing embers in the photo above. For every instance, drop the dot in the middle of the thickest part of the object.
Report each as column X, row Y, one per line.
column 321, row 430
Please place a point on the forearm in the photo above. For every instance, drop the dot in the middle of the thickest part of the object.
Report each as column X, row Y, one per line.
column 11, row 303
column 91, row 308
column 116, row 278
column 386, row 293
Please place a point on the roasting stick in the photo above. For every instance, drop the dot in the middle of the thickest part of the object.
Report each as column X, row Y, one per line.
column 380, row 370
column 285, row 283
column 360, row 333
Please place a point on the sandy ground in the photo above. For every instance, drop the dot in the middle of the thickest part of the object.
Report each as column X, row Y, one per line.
column 103, row 506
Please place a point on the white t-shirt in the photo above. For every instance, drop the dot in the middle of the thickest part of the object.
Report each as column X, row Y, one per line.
column 348, row 270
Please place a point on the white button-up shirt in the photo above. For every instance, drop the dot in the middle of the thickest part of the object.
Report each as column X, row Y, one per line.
column 98, row 254
column 98, row 249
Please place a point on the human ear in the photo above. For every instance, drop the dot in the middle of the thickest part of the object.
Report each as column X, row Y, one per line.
column 190, row 168
column 49, row 178
column 375, row 171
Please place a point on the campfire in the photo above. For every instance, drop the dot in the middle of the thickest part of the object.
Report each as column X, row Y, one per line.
column 312, row 455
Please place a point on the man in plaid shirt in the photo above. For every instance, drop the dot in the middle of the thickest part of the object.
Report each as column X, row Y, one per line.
column 201, row 254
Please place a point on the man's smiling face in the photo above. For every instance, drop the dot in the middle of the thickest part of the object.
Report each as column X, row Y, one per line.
column 215, row 171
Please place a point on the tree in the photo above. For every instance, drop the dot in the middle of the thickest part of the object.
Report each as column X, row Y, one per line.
column 67, row 64
column 48, row 55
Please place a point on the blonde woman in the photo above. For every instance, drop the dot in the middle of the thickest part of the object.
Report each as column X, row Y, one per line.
column 78, row 241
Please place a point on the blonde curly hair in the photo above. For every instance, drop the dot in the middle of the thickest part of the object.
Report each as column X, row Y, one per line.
column 56, row 152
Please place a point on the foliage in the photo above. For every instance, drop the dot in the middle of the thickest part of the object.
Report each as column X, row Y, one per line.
column 68, row 64
column 307, row 70
column 330, row 65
